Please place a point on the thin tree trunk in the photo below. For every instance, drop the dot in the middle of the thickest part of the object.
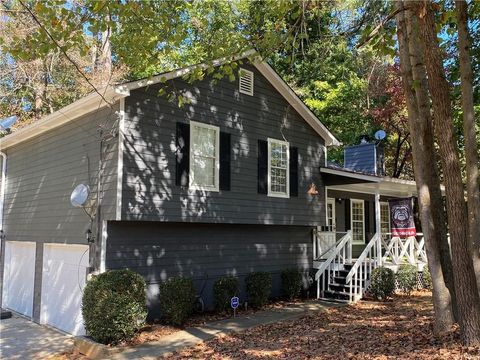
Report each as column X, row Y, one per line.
column 423, row 164
column 468, row 299
column 419, row 75
column 471, row 151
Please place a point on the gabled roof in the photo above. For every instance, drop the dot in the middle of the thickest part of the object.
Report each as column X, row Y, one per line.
column 113, row 93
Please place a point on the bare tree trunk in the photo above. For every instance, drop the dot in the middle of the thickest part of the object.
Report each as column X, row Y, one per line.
column 471, row 151
column 467, row 296
column 419, row 75
column 423, row 165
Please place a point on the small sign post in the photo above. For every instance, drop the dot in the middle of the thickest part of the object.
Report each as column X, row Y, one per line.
column 234, row 302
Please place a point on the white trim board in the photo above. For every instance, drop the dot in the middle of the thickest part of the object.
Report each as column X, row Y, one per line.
column 121, row 138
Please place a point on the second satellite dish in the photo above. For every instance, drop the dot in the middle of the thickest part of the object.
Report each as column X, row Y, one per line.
column 380, row 135
column 80, row 195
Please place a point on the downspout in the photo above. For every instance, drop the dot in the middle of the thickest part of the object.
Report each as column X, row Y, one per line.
column 2, row 233
column 2, row 192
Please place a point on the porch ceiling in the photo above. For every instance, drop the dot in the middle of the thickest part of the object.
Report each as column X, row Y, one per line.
column 346, row 180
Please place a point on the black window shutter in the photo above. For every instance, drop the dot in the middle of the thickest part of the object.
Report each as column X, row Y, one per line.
column 347, row 215
column 183, row 154
column 225, row 154
column 293, row 171
column 262, row 167
column 367, row 219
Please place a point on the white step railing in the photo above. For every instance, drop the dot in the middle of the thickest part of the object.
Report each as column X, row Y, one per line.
column 329, row 268
column 358, row 277
column 410, row 250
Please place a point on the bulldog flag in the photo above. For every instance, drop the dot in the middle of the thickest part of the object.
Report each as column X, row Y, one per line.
column 401, row 217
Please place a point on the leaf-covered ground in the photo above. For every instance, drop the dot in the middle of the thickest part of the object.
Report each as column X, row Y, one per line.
column 399, row 329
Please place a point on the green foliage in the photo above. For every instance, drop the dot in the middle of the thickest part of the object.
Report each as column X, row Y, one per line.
column 258, row 286
column 223, row 290
column 113, row 306
column 291, row 283
column 407, row 278
column 427, row 279
column 177, row 296
column 382, row 283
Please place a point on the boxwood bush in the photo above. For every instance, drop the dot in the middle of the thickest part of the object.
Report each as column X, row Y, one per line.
column 407, row 278
column 291, row 283
column 258, row 286
column 114, row 306
column 382, row 283
column 223, row 290
column 177, row 296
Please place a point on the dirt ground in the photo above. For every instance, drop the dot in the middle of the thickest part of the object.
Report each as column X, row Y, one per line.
column 398, row 329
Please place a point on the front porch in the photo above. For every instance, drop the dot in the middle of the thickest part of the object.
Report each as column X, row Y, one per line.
column 357, row 237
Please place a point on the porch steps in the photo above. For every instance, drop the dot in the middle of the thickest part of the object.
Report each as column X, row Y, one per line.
column 338, row 290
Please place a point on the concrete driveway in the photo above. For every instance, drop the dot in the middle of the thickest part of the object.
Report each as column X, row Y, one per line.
column 23, row 339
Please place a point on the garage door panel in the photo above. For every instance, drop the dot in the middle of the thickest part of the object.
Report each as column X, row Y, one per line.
column 19, row 276
column 63, row 281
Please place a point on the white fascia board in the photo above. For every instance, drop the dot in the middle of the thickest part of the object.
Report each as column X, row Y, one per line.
column 348, row 174
column 180, row 72
column 69, row 113
column 289, row 95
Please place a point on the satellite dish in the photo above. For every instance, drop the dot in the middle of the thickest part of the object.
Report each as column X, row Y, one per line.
column 6, row 124
column 80, row 195
column 380, row 135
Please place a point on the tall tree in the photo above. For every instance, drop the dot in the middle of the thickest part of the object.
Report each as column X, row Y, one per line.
column 421, row 132
column 467, row 296
column 471, row 150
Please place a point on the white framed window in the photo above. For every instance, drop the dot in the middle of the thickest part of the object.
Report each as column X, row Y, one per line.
column 204, row 156
column 331, row 214
column 357, row 215
column 384, row 217
column 245, row 81
column 278, row 168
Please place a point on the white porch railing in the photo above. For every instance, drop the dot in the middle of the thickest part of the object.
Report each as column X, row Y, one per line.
column 398, row 251
column 329, row 267
column 358, row 277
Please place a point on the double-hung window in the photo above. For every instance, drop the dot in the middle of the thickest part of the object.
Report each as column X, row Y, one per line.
column 278, row 168
column 204, row 156
column 384, row 218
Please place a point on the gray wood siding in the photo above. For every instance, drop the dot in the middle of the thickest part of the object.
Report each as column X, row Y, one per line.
column 159, row 251
column 361, row 158
column 149, row 191
column 43, row 171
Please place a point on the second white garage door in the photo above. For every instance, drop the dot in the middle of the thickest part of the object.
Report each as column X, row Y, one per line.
column 63, row 281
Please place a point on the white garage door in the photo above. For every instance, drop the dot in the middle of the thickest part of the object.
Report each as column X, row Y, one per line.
column 63, row 280
column 18, row 277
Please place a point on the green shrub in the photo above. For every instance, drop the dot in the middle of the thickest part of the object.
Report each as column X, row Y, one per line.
column 427, row 279
column 177, row 296
column 407, row 278
column 291, row 283
column 382, row 283
column 258, row 286
column 223, row 290
column 113, row 306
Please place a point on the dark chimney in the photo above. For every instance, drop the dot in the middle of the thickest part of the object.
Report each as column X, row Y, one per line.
column 366, row 157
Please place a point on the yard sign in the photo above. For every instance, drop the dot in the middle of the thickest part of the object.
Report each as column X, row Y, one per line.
column 401, row 217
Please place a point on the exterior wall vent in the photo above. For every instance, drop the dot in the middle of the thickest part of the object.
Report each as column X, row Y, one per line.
column 245, row 83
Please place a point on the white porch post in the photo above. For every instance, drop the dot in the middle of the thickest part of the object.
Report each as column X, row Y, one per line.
column 378, row 227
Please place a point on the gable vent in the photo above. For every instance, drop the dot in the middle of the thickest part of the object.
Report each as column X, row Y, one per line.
column 245, row 82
